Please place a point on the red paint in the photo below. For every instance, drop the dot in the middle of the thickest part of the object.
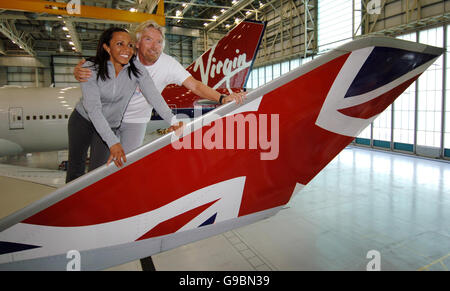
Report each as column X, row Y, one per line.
column 243, row 39
column 168, row 174
column 377, row 105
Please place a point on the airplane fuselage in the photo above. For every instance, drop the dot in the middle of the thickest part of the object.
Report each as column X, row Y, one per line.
column 35, row 119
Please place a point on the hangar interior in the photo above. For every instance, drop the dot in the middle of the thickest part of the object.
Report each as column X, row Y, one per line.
column 39, row 49
column 403, row 155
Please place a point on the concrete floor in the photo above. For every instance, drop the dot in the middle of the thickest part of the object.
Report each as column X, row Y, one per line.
column 363, row 201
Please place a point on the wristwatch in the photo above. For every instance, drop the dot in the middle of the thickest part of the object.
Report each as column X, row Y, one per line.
column 221, row 98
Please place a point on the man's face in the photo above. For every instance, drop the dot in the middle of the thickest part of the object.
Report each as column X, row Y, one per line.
column 150, row 46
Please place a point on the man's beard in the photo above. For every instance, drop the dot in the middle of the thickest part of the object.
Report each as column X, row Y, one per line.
column 151, row 57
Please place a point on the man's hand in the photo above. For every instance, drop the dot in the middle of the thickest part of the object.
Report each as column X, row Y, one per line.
column 81, row 74
column 117, row 155
column 238, row 97
column 178, row 128
column 203, row 91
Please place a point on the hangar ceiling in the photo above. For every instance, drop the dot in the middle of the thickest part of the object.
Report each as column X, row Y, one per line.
column 26, row 30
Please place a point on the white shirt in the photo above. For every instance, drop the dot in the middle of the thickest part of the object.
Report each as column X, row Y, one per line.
column 166, row 70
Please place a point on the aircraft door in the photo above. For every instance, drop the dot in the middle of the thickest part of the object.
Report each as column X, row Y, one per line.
column 15, row 118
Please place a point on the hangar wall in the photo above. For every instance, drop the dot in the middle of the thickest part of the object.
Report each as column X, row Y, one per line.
column 419, row 121
column 297, row 31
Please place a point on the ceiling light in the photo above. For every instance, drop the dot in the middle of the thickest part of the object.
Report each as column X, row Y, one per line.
column 65, row 28
column 133, row 10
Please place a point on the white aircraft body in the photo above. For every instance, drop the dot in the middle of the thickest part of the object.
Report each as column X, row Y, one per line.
column 35, row 119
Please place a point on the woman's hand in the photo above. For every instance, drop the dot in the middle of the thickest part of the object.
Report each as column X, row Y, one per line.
column 117, row 155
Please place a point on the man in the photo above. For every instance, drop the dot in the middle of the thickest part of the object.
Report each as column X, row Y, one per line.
column 164, row 70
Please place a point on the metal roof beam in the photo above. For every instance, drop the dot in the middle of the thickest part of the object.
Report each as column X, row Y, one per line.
column 2, row 48
column 198, row 4
column 146, row 6
column 73, row 35
column 228, row 14
column 21, row 39
column 57, row 8
column 55, row 18
column 187, row 7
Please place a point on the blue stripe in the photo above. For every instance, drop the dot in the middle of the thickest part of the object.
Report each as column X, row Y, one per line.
column 383, row 66
column 446, row 152
column 9, row 247
column 210, row 220
column 403, row 146
column 381, row 143
column 185, row 111
column 363, row 141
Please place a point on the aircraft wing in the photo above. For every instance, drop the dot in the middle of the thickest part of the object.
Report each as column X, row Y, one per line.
column 230, row 167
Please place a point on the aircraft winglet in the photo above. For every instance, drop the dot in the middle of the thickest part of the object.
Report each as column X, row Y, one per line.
column 232, row 166
column 225, row 66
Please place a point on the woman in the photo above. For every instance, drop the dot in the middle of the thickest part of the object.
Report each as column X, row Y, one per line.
column 106, row 94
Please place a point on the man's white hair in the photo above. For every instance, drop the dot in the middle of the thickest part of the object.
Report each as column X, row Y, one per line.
column 149, row 24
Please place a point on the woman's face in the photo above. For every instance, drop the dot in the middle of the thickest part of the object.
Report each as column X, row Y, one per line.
column 121, row 48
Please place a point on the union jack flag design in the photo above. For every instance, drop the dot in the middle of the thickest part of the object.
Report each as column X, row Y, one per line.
column 166, row 193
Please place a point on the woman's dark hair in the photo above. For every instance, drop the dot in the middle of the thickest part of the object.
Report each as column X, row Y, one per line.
column 101, row 58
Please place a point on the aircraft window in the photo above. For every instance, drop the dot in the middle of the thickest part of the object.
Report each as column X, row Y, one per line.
column 66, row 116
column 53, row 116
column 19, row 118
column 34, row 117
column 59, row 116
column 28, row 117
column 41, row 117
column 47, row 117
